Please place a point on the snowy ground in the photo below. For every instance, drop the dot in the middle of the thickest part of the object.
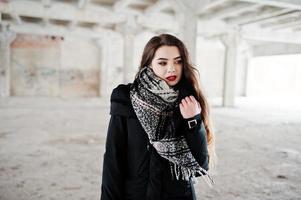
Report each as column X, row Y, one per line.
column 53, row 148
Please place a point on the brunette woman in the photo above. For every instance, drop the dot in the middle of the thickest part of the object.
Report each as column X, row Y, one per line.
column 159, row 136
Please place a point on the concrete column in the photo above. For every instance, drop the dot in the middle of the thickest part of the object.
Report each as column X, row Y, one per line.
column 105, row 64
column 247, row 54
column 187, row 17
column 6, row 38
column 128, row 56
column 129, row 31
column 230, row 41
column 188, row 31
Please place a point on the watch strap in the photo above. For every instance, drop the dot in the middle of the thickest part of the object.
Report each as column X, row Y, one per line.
column 193, row 121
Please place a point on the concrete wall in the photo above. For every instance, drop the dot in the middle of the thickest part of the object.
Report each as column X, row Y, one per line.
column 275, row 76
column 80, row 68
column 54, row 66
column 34, row 66
column 45, row 66
column 210, row 62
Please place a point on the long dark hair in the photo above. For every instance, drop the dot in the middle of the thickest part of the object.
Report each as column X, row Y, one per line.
column 190, row 73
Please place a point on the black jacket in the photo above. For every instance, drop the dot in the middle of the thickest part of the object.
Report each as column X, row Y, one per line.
column 132, row 169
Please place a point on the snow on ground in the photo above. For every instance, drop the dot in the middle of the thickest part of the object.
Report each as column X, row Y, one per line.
column 53, row 148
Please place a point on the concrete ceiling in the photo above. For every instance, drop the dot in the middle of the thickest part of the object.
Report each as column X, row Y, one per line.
column 267, row 20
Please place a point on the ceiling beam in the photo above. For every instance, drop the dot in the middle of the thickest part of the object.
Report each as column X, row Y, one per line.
column 288, row 25
column 275, row 20
column 157, row 7
column 230, row 11
column 269, row 49
column 212, row 5
column 30, row 28
column 256, row 17
column 292, row 4
column 271, row 36
column 61, row 11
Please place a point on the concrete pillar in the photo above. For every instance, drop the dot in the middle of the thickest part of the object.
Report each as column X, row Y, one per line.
column 105, row 64
column 128, row 56
column 187, row 17
column 188, row 32
column 129, row 31
column 6, row 37
column 247, row 54
column 231, row 42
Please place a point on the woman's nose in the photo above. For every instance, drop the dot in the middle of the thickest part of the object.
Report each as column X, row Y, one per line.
column 171, row 68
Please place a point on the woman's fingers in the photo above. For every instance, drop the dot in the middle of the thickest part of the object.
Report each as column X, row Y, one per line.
column 189, row 107
column 188, row 100
column 184, row 102
column 181, row 106
column 193, row 99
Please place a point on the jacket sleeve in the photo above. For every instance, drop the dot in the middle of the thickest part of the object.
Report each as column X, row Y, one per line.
column 114, row 163
column 196, row 138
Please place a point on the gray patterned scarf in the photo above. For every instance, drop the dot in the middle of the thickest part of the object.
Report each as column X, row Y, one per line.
column 154, row 102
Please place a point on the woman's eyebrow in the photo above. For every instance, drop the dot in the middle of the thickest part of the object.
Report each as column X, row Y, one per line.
column 167, row 59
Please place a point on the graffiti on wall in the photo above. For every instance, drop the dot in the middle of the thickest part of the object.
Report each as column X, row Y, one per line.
column 36, row 70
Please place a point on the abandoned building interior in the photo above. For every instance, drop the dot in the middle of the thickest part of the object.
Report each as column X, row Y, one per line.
column 61, row 59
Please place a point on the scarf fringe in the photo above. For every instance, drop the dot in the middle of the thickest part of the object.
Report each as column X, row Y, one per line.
column 186, row 174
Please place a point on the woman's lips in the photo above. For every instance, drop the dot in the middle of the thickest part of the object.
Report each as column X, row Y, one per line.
column 171, row 78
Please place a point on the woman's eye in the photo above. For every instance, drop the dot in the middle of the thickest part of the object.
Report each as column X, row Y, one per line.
column 162, row 63
column 178, row 61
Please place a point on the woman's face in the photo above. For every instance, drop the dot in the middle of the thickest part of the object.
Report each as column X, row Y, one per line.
column 167, row 64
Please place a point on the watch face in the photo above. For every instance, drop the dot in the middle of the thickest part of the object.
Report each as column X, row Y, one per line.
column 192, row 123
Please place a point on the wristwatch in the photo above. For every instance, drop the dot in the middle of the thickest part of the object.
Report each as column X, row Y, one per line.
column 192, row 123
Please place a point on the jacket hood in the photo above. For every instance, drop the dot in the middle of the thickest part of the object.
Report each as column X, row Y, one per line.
column 121, row 102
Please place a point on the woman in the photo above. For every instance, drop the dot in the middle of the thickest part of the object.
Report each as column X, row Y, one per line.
column 159, row 136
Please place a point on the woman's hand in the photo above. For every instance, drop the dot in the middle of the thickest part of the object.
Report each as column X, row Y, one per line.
column 189, row 107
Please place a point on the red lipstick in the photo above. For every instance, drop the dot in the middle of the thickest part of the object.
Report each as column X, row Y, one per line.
column 171, row 78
